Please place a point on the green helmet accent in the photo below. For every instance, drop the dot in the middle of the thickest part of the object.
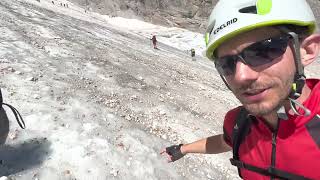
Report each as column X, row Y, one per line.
column 264, row 6
column 206, row 38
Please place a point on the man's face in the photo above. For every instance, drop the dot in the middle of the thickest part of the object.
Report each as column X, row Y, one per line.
column 260, row 89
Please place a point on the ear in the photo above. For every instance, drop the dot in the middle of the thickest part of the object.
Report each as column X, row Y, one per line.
column 310, row 48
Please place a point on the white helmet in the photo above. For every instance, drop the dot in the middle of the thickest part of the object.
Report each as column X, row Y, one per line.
column 232, row 17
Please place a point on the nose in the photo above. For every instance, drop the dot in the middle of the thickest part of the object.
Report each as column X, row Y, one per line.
column 244, row 74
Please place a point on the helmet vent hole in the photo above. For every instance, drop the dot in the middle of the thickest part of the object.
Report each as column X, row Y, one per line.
column 249, row 9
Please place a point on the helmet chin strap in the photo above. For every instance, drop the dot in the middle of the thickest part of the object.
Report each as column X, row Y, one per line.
column 299, row 79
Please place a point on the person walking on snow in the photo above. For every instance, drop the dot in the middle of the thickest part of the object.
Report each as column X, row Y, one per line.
column 193, row 54
column 260, row 49
column 154, row 41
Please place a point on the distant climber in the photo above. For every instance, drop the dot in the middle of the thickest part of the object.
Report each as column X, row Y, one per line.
column 193, row 54
column 52, row 2
column 154, row 41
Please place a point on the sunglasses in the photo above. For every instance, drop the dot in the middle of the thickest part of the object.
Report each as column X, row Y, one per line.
column 257, row 54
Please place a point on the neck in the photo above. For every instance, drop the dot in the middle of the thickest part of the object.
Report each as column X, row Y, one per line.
column 272, row 118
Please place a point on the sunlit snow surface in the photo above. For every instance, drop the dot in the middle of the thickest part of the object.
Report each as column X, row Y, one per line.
column 99, row 102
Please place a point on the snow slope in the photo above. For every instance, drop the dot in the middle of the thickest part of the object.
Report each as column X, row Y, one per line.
column 99, row 102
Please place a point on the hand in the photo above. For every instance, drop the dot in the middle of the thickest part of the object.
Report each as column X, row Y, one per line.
column 173, row 152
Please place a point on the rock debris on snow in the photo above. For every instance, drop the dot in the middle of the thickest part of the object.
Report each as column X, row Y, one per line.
column 101, row 95
column 32, row 79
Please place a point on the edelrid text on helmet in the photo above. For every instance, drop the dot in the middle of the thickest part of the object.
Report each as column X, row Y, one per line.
column 230, row 18
column 234, row 20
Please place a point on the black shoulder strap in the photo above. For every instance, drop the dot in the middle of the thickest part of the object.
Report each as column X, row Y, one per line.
column 15, row 112
column 239, row 132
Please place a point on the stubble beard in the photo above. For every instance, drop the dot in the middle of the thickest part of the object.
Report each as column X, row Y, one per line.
column 275, row 100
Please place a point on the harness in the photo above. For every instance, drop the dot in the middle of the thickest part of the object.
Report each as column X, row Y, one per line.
column 240, row 130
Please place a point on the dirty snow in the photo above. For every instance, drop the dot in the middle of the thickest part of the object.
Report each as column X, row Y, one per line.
column 99, row 102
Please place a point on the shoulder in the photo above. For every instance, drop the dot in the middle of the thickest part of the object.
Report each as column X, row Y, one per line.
column 312, row 102
column 231, row 116
column 229, row 122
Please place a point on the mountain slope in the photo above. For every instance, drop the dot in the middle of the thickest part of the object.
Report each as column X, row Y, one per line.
column 99, row 102
column 189, row 14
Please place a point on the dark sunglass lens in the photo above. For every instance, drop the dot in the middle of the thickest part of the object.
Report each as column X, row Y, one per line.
column 226, row 65
column 256, row 55
column 277, row 47
column 265, row 51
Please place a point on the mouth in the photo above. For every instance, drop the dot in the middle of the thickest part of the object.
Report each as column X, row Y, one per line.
column 253, row 92
column 254, row 95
